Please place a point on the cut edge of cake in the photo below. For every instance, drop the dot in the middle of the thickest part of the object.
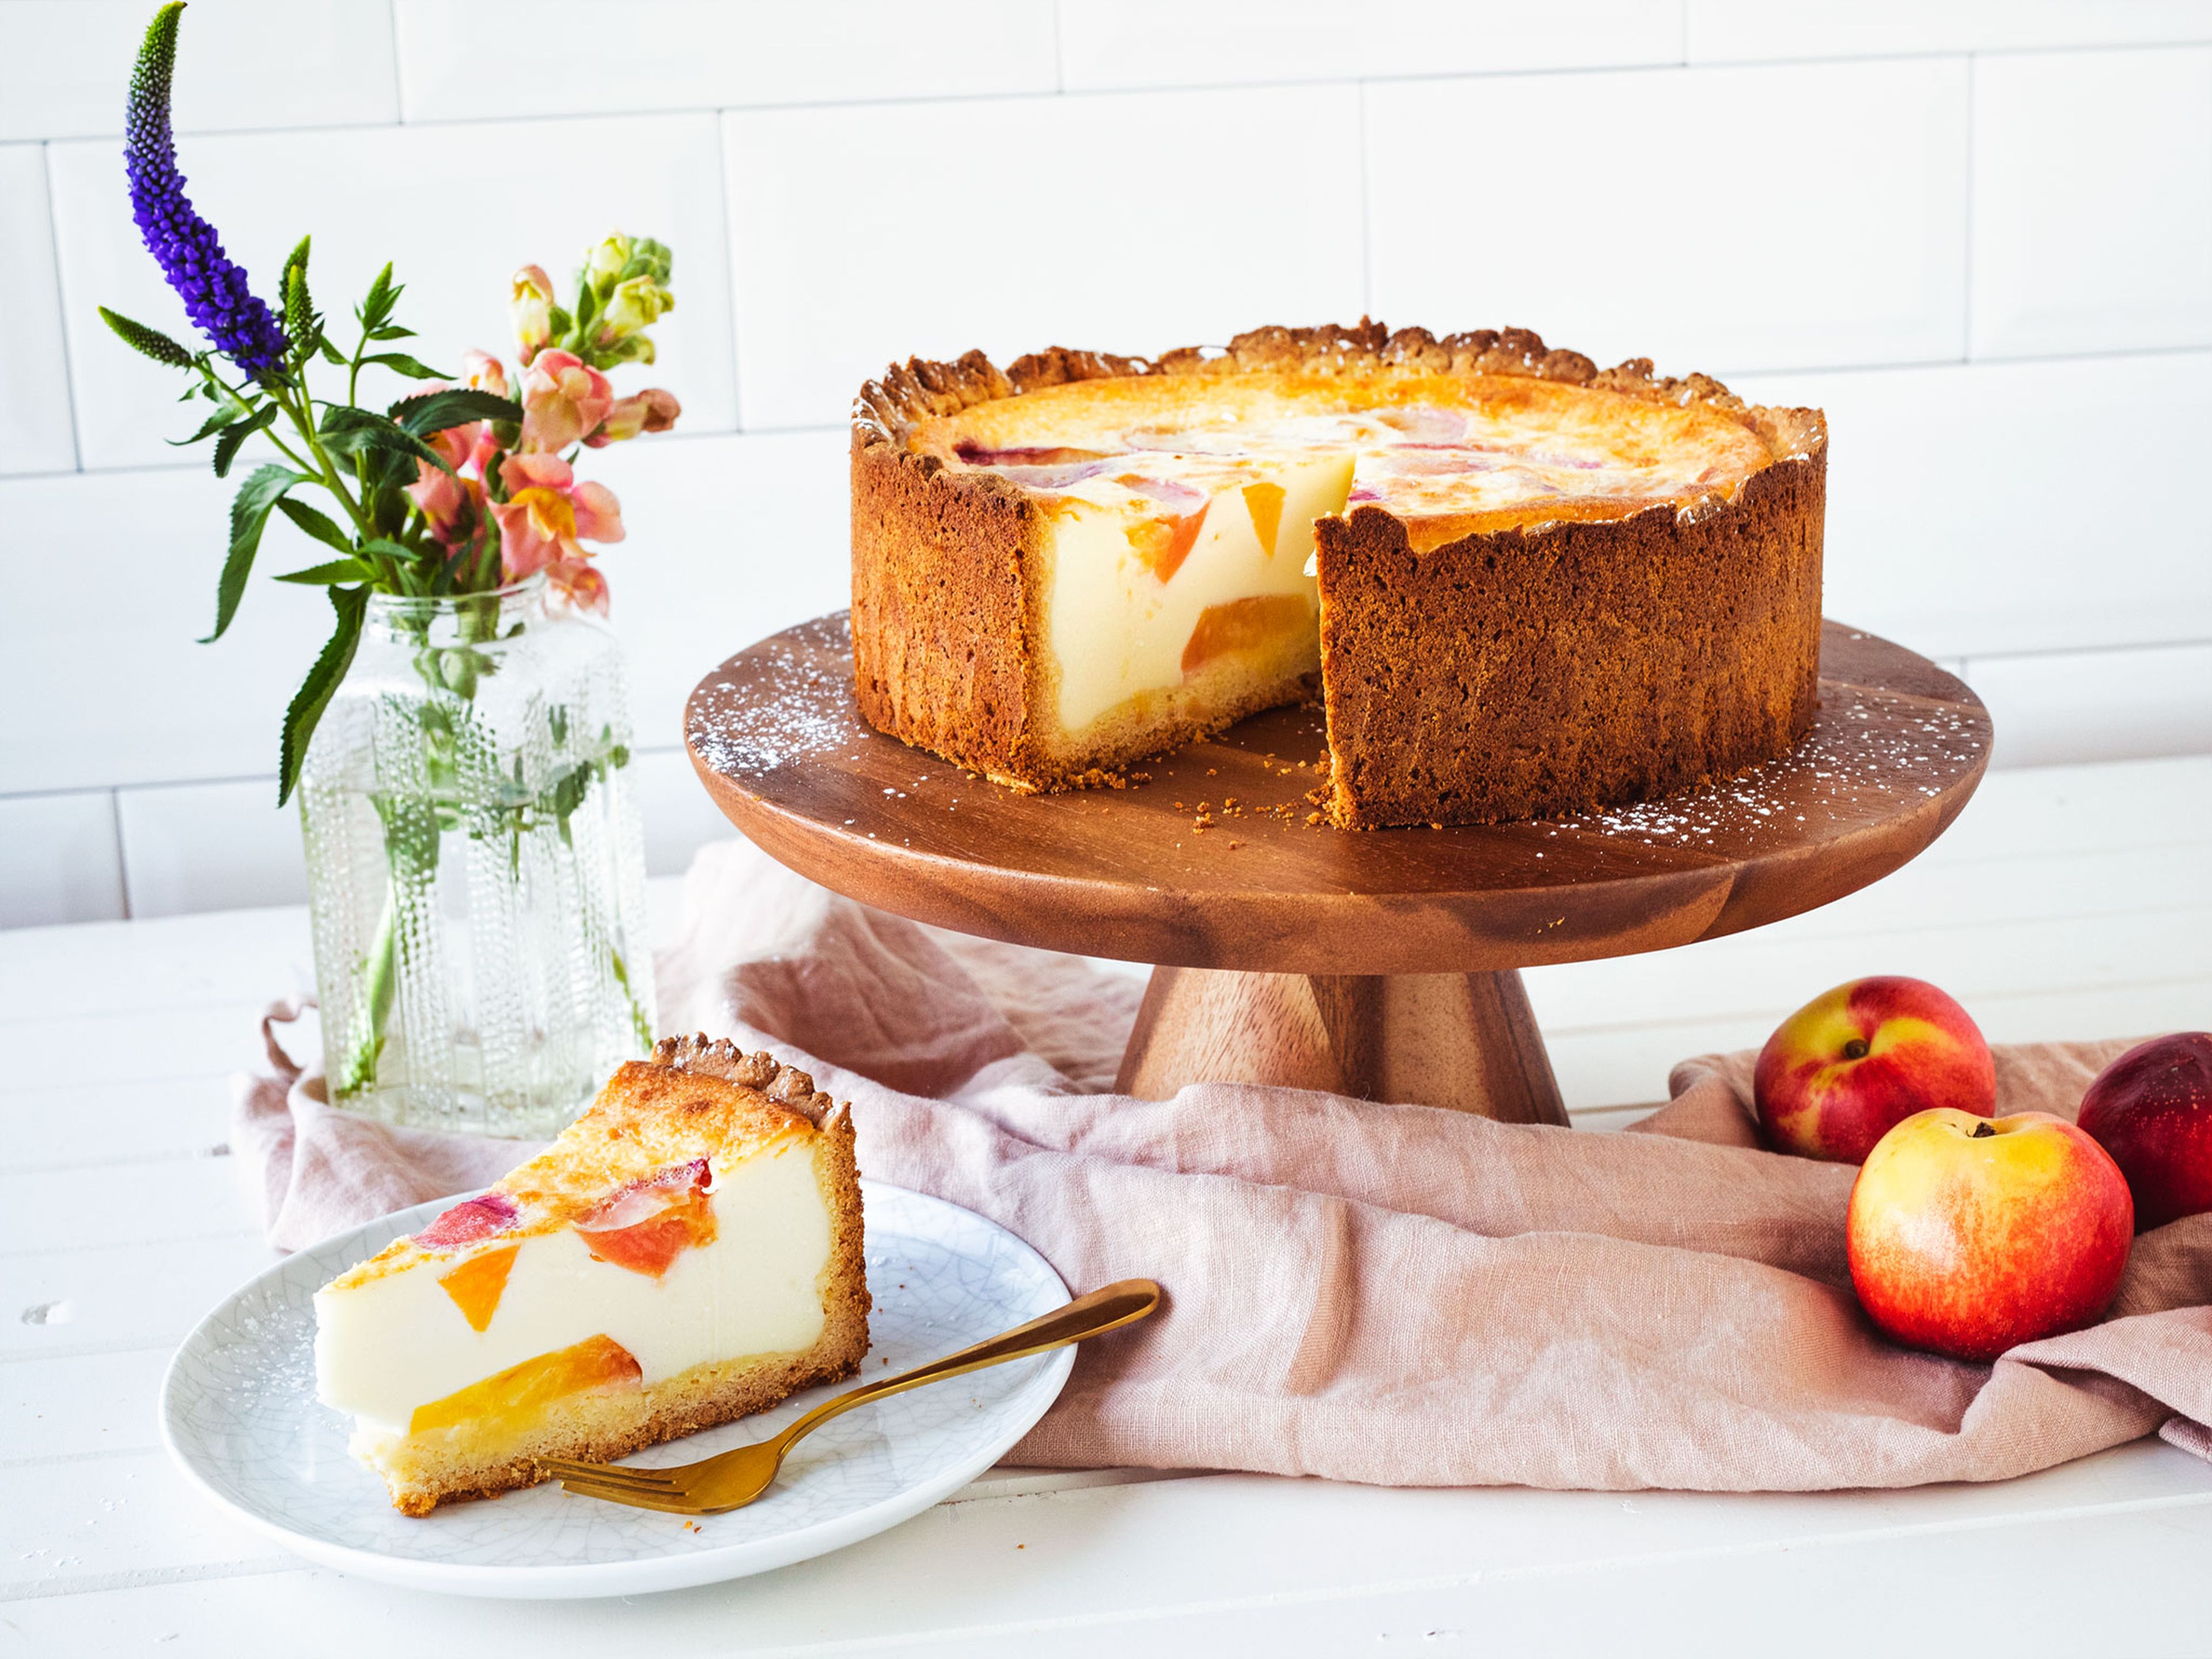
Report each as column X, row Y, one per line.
column 950, row 568
column 610, row 1411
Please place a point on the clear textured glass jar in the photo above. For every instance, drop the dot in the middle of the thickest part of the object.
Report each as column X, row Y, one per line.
column 475, row 867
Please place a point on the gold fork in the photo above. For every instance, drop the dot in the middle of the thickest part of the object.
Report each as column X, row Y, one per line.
column 733, row 1478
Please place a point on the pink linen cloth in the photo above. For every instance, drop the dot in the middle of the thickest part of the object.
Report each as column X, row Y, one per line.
column 1400, row 1295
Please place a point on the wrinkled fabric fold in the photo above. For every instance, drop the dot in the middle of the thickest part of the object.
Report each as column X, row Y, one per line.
column 1393, row 1294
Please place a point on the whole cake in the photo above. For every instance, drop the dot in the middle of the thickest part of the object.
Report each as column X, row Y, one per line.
column 1521, row 586
column 688, row 1251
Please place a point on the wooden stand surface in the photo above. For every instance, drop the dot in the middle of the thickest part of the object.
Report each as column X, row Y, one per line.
column 1378, row 963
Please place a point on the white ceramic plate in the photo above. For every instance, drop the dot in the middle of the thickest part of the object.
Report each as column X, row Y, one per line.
column 239, row 1415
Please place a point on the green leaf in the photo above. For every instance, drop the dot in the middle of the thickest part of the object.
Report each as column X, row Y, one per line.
column 248, row 513
column 400, row 362
column 149, row 341
column 434, row 411
column 316, row 523
column 349, row 431
column 392, row 331
column 236, row 434
column 332, row 355
column 215, row 422
column 325, row 575
column 314, row 694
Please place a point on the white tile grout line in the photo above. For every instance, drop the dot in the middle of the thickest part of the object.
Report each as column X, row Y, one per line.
column 156, row 784
column 398, row 67
column 1366, row 213
column 2109, row 355
column 1967, row 263
column 1680, row 64
column 54, row 263
column 122, row 865
column 722, row 140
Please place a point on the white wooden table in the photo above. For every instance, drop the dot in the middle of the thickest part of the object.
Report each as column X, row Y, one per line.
column 2073, row 903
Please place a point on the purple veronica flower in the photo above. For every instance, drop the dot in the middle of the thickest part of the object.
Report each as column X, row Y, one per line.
column 190, row 255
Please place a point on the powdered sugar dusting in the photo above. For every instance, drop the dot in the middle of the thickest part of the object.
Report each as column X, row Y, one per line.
column 748, row 732
column 1864, row 744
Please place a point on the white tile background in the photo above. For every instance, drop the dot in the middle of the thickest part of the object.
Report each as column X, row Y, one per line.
column 1978, row 233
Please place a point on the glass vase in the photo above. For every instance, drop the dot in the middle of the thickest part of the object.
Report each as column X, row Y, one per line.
column 475, row 867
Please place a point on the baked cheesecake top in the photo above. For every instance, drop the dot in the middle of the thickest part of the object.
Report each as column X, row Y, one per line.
column 642, row 1150
column 1476, row 432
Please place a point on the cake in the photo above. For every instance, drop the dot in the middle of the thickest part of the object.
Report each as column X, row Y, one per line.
column 687, row 1252
column 1520, row 585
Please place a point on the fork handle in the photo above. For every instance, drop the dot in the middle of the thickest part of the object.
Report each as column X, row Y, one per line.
column 1106, row 1309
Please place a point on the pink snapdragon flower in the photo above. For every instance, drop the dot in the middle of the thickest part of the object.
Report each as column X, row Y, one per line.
column 564, row 400
column 453, row 507
column 484, row 372
column 544, row 521
column 653, row 409
column 529, row 311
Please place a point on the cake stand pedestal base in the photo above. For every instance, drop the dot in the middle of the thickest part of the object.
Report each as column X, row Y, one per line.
column 1464, row 1041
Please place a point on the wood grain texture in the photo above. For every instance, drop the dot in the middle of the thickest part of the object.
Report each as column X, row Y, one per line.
column 1464, row 1041
column 1895, row 750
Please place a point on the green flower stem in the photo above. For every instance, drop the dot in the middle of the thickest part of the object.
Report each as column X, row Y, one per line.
column 640, row 1026
column 359, row 1073
column 301, row 419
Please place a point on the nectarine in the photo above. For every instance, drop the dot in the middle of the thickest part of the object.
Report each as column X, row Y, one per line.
column 1838, row 1072
column 1968, row 1236
column 2151, row 1110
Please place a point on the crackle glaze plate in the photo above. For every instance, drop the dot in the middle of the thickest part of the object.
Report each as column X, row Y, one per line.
column 239, row 1415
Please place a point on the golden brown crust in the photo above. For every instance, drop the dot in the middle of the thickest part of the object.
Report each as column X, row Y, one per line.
column 886, row 409
column 427, row 1470
column 1686, row 648
column 946, row 597
column 663, row 1101
column 944, row 622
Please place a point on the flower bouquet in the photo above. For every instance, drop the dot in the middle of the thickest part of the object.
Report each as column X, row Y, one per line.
column 458, row 745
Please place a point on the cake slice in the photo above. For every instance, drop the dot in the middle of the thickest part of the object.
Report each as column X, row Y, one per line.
column 689, row 1251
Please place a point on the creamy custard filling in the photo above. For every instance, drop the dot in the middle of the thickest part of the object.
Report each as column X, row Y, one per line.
column 388, row 1348
column 1181, row 509
column 1136, row 575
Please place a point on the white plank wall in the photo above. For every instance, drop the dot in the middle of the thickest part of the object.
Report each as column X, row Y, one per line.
column 1978, row 231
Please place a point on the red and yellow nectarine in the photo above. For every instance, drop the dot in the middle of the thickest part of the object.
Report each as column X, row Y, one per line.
column 1968, row 1236
column 1838, row 1072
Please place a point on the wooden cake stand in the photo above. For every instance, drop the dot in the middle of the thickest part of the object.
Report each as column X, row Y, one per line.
column 1381, row 964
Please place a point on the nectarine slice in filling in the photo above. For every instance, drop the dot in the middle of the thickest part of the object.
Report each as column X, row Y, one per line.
column 646, row 1226
column 509, row 1399
column 1264, row 502
column 468, row 1221
column 1162, row 544
column 1247, row 624
column 479, row 1283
